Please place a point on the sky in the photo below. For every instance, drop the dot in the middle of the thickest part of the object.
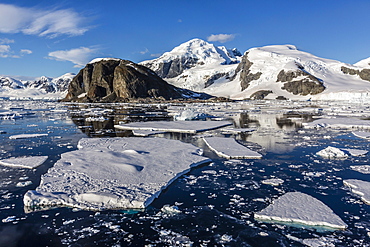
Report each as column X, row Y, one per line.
column 51, row 38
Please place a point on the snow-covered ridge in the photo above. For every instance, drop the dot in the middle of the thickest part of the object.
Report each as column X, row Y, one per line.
column 39, row 88
column 96, row 60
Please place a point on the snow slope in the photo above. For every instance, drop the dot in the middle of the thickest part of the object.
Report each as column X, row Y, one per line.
column 39, row 88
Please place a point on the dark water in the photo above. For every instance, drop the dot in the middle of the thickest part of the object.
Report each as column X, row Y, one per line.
column 215, row 202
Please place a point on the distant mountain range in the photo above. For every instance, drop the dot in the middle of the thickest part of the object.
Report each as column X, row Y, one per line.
column 269, row 72
column 39, row 88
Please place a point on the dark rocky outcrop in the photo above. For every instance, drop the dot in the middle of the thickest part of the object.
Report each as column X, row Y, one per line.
column 308, row 85
column 211, row 79
column 173, row 67
column 112, row 80
column 364, row 74
column 245, row 74
column 261, row 94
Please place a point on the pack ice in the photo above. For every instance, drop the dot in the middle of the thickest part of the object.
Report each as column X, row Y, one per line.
column 359, row 187
column 339, row 123
column 340, row 153
column 112, row 173
column 230, row 149
column 297, row 207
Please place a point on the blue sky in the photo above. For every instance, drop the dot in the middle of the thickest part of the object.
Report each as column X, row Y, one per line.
column 55, row 37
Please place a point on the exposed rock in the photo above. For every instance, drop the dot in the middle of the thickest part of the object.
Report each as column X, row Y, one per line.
column 110, row 80
column 174, row 67
column 211, row 79
column 364, row 74
column 245, row 74
column 260, row 94
column 308, row 85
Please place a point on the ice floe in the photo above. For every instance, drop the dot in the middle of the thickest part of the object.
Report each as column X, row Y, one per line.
column 361, row 134
column 24, row 162
column 174, row 126
column 146, row 132
column 230, row 149
column 273, row 181
column 340, row 153
column 365, row 169
column 191, row 114
column 359, row 187
column 25, row 136
column 339, row 123
column 297, row 207
column 111, row 173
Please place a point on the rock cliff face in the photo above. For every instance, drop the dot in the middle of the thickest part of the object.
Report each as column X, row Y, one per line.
column 364, row 74
column 110, row 80
column 307, row 84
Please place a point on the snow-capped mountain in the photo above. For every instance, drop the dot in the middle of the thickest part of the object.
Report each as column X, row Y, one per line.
column 42, row 87
column 195, row 64
column 263, row 72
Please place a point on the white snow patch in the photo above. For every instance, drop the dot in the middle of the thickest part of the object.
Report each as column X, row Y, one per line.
column 25, row 136
column 230, row 149
column 365, row 169
column 24, row 162
column 112, row 173
column 174, row 126
column 104, row 59
column 359, row 187
column 300, row 208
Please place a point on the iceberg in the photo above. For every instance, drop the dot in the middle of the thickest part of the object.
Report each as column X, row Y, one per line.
column 297, row 207
column 340, row 153
column 359, row 187
column 114, row 173
column 174, row 126
column 24, row 162
column 230, row 149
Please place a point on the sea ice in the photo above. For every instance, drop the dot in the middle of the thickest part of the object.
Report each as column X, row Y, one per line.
column 146, row 132
column 174, row 126
column 24, row 136
column 297, row 207
column 340, row 153
column 24, row 162
column 230, row 149
column 273, row 181
column 231, row 130
column 111, row 173
column 191, row 114
column 361, row 134
column 365, row 169
column 339, row 123
column 359, row 187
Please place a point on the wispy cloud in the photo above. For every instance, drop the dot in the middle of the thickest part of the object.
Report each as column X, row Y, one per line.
column 47, row 23
column 223, row 38
column 144, row 52
column 25, row 52
column 6, row 41
column 78, row 56
column 4, row 50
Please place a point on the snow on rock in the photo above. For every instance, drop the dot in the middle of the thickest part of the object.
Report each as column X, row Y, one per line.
column 340, row 153
column 338, row 123
column 96, row 60
column 365, row 169
column 230, row 149
column 361, row 134
column 273, row 181
column 174, row 126
column 297, row 207
column 24, row 162
column 112, row 173
column 359, row 187
column 25, row 136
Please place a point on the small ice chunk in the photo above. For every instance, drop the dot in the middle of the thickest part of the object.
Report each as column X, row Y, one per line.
column 170, row 210
column 112, row 173
column 174, row 126
column 359, row 187
column 9, row 219
column 365, row 169
column 23, row 184
column 230, row 149
column 339, row 123
column 300, row 208
column 24, row 136
column 361, row 134
column 231, row 130
column 191, row 114
column 273, row 181
column 2, row 132
column 354, row 152
column 332, row 153
column 24, row 162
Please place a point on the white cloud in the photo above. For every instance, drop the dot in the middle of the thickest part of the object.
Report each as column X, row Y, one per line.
column 4, row 50
column 78, row 56
column 223, row 38
column 26, row 52
column 6, row 41
column 33, row 21
column 144, row 52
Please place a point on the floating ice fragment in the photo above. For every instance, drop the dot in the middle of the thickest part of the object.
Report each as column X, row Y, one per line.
column 297, row 207
column 332, row 153
column 146, row 132
column 24, row 136
column 361, row 134
column 191, row 114
column 230, row 149
column 365, row 169
column 354, row 152
column 359, row 187
column 9, row 219
column 24, row 162
column 273, row 181
column 231, row 130
column 174, row 126
column 339, row 123
column 112, row 173
column 170, row 210
column 23, row 184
